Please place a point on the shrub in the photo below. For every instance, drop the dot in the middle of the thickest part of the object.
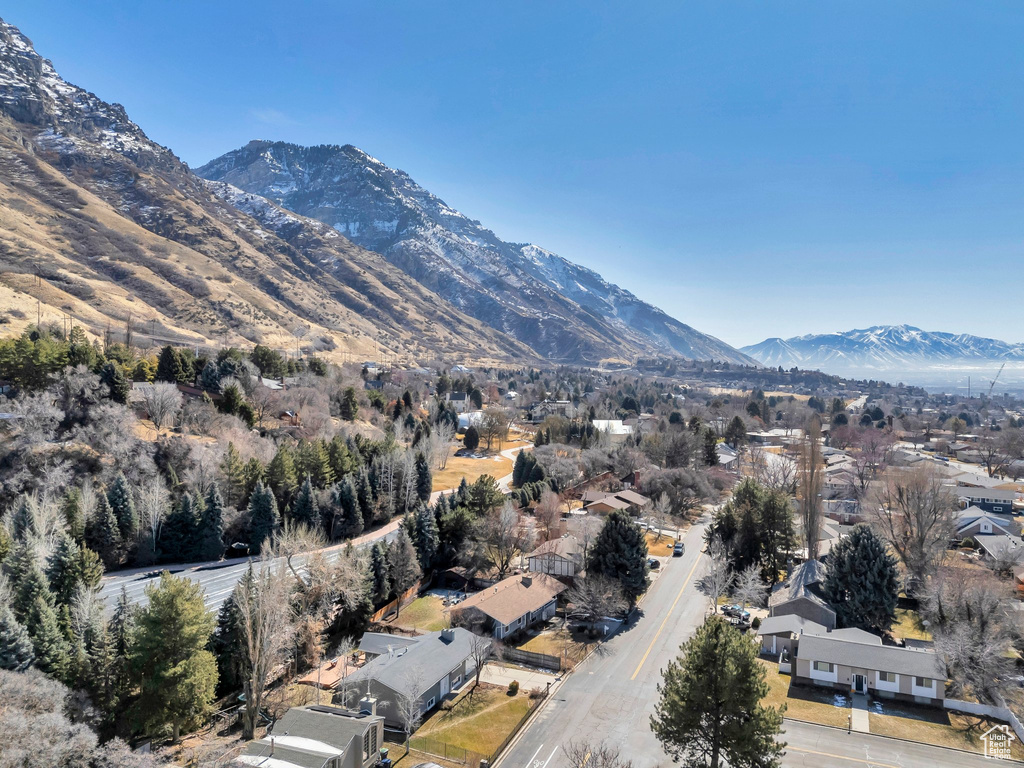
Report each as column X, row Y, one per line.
column 756, row 623
column 513, row 688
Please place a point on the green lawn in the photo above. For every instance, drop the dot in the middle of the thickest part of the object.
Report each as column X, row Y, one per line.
column 816, row 705
column 932, row 726
column 478, row 722
column 908, row 625
column 424, row 613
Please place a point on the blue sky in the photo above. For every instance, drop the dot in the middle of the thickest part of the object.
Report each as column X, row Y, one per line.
column 756, row 169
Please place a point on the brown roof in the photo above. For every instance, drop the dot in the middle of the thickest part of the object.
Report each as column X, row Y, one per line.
column 632, row 497
column 610, row 501
column 513, row 597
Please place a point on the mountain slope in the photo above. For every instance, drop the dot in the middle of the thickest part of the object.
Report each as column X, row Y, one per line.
column 560, row 309
column 100, row 223
column 882, row 348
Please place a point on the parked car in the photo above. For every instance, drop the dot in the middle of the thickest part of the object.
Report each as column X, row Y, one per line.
column 678, row 549
column 739, row 622
column 731, row 610
column 653, row 563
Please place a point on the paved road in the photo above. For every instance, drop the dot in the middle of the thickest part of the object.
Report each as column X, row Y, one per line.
column 611, row 696
column 815, row 746
column 217, row 579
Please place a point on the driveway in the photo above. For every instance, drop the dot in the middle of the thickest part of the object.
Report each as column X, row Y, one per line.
column 500, row 674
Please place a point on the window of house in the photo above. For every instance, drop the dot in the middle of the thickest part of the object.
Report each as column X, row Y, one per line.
column 923, row 682
column 366, row 745
column 373, row 740
column 430, row 703
column 887, row 677
column 823, row 666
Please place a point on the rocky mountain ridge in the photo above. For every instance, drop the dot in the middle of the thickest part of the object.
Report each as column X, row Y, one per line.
column 563, row 311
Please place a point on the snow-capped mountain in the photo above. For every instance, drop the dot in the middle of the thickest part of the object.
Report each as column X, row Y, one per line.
column 560, row 309
column 883, row 348
column 114, row 226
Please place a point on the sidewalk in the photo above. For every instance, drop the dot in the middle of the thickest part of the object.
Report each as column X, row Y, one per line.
column 859, row 721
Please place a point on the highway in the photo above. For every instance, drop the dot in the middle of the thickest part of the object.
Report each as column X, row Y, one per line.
column 611, row 696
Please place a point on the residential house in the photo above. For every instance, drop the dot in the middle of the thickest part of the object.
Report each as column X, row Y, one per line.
column 911, row 674
column 469, row 419
column 513, row 604
column 974, row 521
column 320, row 737
column 616, row 431
column 428, row 668
column 988, row 499
column 543, row 409
column 459, row 401
column 606, row 503
column 801, row 595
column 561, row 557
column 1000, row 548
column 780, row 634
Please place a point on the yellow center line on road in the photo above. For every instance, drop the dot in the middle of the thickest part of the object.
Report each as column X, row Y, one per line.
column 875, row 763
column 665, row 620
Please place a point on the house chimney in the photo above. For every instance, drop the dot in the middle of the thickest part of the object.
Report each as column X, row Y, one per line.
column 527, row 581
column 368, row 705
column 447, row 635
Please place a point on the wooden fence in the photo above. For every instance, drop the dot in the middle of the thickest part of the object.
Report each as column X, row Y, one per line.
column 407, row 597
column 532, row 659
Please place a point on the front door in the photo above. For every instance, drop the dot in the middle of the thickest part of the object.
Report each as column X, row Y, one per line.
column 859, row 683
column 444, row 686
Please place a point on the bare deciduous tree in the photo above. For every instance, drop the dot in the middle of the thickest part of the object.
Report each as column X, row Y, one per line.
column 163, row 401
column 502, row 537
column 481, row 649
column 916, row 516
column 749, row 589
column 584, row 754
column 409, row 704
column 494, row 426
column 265, row 629
column 548, row 514
column 718, row 578
column 441, row 437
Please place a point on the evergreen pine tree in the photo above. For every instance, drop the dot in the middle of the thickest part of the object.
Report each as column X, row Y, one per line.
column 209, row 378
column 862, row 581
column 425, row 537
column 471, row 440
column 746, row 549
column 226, row 642
column 112, row 375
column 73, row 515
column 709, row 711
column 380, row 575
column 171, row 367
column 16, row 652
column 231, row 400
column 180, row 532
column 211, row 526
column 349, row 405
column 122, row 503
column 620, row 553
column 62, row 568
column 52, row 650
column 254, row 473
column 710, row 447
column 102, row 533
column 177, row 674
column 281, row 477
column 29, row 582
column 234, row 475
column 424, row 483
column 264, row 519
column 349, row 511
column 23, row 523
column 364, row 494
column 305, row 510
column 517, row 469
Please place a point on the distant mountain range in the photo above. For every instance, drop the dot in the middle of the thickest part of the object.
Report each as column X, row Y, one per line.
column 884, row 349
column 561, row 310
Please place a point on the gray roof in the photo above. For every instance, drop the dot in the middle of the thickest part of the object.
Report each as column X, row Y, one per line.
column 1001, row 546
column 882, row 658
column 429, row 658
column 378, row 643
column 802, row 582
column 790, row 622
column 985, row 493
column 309, row 736
column 853, row 635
